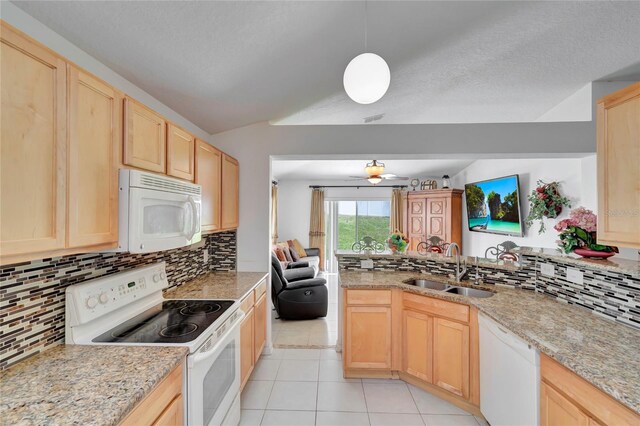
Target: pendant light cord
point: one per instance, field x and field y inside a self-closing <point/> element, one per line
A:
<point x="365" y="25"/>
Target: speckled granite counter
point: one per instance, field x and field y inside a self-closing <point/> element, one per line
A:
<point x="87" y="385"/>
<point x="601" y="351"/>
<point x="217" y="285"/>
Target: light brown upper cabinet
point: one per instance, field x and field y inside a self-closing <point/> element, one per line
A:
<point x="33" y="147"/>
<point x="180" y="153"/>
<point x="95" y="136"/>
<point x="230" y="194"/>
<point x="618" y="127"/>
<point x="209" y="176"/>
<point x="145" y="137"/>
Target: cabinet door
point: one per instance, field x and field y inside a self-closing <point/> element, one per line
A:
<point x="32" y="144"/>
<point x="618" y="134"/>
<point x="246" y="346"/>
<point x="173" y="414"/>
<point x="368" y="337"/>
<point x="145" y="137"/>
<point x="417" y="336"/>
<point x="260" y="326"/>
<point x="180" y="153"/>
<point x="230" y="194"/>
<point x="451" y="356"/>
<point x="94" y="139"/>
<point x="416" y="225"/>
<point x="437" y="212"/>
<point x="209" y="176"/>
<point x="556" y="410"/>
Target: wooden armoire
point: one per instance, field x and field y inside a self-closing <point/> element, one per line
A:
<point x="434" y="212"/>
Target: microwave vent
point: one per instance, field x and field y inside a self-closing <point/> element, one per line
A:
<point x="158" y="182"/>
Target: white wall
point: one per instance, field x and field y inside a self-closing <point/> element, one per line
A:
<point x="567" y="171"/>
<point x="43" y="34"/>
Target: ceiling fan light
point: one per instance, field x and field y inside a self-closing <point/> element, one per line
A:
<point x="366" y="78"/>
<point x="374" y="180"/>
<point x="375" y="170"/>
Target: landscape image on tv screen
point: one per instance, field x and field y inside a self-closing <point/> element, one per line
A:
<point x="494" y="206"/>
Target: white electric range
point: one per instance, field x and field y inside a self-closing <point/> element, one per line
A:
<point x="128" y="308"/>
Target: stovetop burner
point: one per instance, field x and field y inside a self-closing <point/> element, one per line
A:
<point x="172" y="321"/>
<point x="177" y="330"/>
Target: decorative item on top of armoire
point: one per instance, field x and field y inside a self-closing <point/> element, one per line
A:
<point x="545" y="201"/>
<point x="414" y="183"/>
<point x="578" y="235"/>
<point x="432" y="245"/>
<point x="428" y="184"/>
<point x="446" y="182"/>
<point x="397" y="242"/>
<point x="434" y="213"/>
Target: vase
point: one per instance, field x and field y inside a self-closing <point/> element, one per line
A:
<point x="593" y="253"/>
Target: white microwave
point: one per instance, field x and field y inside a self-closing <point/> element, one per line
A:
<point x="157" y="212"/>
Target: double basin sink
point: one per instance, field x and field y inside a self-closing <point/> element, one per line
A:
<point x="463" y="291"/>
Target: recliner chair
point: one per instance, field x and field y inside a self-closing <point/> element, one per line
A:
<point x="296" y="295"/>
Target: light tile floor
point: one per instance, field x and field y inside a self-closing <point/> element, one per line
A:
<point x="305" y="387"/>
<point x="316" y="333"/>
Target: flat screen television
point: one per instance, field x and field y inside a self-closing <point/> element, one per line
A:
<point x="493" y="206"/>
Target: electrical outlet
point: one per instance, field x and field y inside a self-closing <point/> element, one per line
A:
<point x="574" y="276"/>
<point x="366" y="264"/>
<point x="547" y="269"/>
<point x="205" y="256"/>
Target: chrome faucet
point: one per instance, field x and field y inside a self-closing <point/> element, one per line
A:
<point x="460" y="274"/>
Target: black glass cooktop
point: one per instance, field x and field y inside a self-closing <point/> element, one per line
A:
<point x="173" y="321"/>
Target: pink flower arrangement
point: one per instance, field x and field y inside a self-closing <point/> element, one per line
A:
<point x="581" y="218"/>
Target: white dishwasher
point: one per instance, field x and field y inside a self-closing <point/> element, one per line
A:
<point x="509" y="377"/>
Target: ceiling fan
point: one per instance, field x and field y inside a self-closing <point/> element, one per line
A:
<point x="375" y="173"/>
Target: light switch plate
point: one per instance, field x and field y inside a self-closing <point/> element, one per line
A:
<point x="366" y="264"/>
<point x="547" y="269"/>
<point x="574" y="276"/>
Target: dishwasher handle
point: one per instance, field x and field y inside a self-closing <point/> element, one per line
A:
<point x="518" y="345"/>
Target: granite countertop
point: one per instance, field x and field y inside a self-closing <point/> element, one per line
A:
<point x="615" y="263"/>
<point x="601" y="351"/>
<point x="217" y="285"/>
<point x="78" y="384"/>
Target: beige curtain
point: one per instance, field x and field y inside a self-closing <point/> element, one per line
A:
<point x="316" y="223"/>
<point x="397" y="211"/>
<point x="274" y="213"/>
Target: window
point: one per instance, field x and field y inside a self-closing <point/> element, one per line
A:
<point x="358" y="219"/>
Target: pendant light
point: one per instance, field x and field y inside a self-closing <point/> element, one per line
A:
<point x="367" y="77"/>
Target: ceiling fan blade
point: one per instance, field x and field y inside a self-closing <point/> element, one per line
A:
<point x="397" y="178"/>
<point x="359" y="177"/>
<point x="387" y="175"/>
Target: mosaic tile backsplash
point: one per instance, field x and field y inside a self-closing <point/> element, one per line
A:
<point x="32" y="294"/>
<point x="611" y="294"/>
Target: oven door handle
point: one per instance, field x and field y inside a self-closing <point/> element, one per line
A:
<point x="203" y="355"/>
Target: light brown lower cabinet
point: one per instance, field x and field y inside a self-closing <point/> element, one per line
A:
<point x="568" y="400"/>
<point x="436" y="349"/>
<point x="253" y="330"/>
<point x="163" y="406"/>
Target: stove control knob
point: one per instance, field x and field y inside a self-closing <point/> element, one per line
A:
<point x="156" y="278"/>
<point x="92" y="302"/>
<point x="163" y="275"/>
<point x="104" y="297"/>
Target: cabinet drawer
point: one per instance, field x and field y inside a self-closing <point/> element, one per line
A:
<point x="368" y="297"/>
<point x="247" y="302"/>
<point x="260" y="290"/>
<point x="437" y="307"/>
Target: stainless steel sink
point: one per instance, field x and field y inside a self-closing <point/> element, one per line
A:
<point x="434" y="285"/>
<point x="469" y="292"/>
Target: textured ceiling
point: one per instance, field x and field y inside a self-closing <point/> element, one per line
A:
<point x="341" y="170"/>
<point x="227" y="64"/>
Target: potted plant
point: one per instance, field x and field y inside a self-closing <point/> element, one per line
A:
<point x="397" y="242"/>
<point x="578" y="235"/>
<point x="545" y="201"/>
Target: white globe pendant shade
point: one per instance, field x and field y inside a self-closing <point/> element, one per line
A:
<point x="366" y="78"/>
